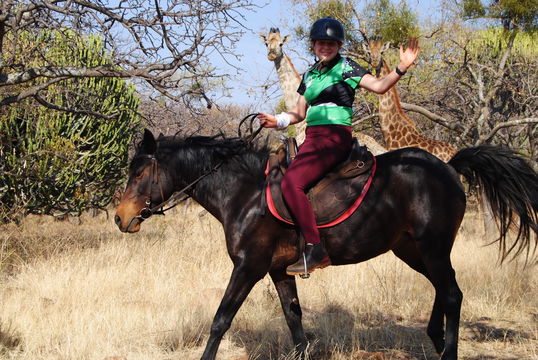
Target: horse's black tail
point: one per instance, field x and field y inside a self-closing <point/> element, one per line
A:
<point x="510" y="185"/>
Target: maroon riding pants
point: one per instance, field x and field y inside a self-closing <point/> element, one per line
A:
<point x="324" y="147"/>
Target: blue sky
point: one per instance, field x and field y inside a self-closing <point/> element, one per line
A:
<point x="258" y="70"/>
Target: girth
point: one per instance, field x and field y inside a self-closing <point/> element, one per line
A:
<point x="335" y="197"/>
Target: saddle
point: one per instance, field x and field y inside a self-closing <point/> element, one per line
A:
<point x="335" y="197"/>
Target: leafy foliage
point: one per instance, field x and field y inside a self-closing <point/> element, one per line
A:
<point x="340" y="10"/>
<point x="492" y="42"/>
<point x="512" y="13"/>
<point x="393" y="23"/>
<point x="69" y="159"/>
<point x="473" y="9"/>
<point x="379" y="18"/>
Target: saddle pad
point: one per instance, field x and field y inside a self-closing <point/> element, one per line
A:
<point x="334" y="198"/>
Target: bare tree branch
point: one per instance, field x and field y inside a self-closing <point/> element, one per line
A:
<point x="152" y="41"/>
<point x="365" y="118"/>
<point x="434" y="117"/>
<point x="32" y="91"/>
<point x="499" y="126"/>
<point x="50" y="105"/>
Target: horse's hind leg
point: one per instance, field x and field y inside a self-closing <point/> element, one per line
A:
<point x="287" y="292"/>
<point x="407" y="251"/>
<point x="242" y="280"/>
<point x="436" y="325"/>
<point x="448" y="296"/>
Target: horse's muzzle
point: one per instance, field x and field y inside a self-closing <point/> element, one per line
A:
<point x="130" y="227"/>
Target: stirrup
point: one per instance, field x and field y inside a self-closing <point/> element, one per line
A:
<point x="306" y="275"/>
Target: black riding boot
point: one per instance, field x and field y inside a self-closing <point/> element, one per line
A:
<point x="314" y="257"/>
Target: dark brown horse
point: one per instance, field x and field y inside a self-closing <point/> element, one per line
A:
<point x="414" y="207"/>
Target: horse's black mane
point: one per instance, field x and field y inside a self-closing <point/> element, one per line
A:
<point x="200" y="153"/>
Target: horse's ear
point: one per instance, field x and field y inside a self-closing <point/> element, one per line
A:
<point x="148" y="144"/>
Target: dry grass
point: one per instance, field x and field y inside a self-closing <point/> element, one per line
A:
<point x="89" y="292"/>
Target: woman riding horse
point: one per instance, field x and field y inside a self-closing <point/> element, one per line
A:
<point x="327" y="91"/>
<point x="414" y="208"/>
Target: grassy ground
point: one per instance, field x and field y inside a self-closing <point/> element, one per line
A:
<point x="86" y="291"/>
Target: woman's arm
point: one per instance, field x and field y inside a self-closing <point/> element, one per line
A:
<point x="382" y="85"/>
<point x="296" y="115"/>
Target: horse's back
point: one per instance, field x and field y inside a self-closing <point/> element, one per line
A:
<point x="413" y="196"/>
<point x="427" y="188"/>
<point x="416" y="160"/>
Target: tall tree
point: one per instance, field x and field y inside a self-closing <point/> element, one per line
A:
<point x="392" y="22"/>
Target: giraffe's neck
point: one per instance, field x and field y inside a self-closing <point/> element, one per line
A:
<point x="395" y="125"/>
<point x="289" y="80"/>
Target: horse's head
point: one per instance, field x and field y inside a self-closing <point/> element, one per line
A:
<point x="149" y="184"/>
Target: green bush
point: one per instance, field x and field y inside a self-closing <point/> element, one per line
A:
<point x="65" y="162"/>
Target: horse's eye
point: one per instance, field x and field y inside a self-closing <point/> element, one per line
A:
<point x="138" y="173"/>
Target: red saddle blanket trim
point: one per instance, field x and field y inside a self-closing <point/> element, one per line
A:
<point x="344" y="216"/>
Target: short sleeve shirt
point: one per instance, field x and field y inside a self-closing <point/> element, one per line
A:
<point x="330" y="92"/>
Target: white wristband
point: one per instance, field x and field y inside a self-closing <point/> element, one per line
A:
<point x="282" y="120"/>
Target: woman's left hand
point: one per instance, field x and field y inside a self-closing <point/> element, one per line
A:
<point x="409" y="55"/>
<point x="267" y="120"/>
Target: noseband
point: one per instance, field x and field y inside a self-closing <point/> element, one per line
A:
<point x="148" y="211"/>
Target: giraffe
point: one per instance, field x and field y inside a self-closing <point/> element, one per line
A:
<point x="397" y="128"/>
<point x="290" y="79"/>
<point x="287" y="75"/>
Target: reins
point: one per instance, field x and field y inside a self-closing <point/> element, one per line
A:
<point x="253" y="134"/>
<point x="147" y="212"/>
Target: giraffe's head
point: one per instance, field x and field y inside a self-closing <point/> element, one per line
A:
<point x="374" y="49"/>
<point x="273" y="41"/>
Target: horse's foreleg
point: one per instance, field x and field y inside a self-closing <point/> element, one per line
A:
<point x="241" y="282"/>
<point x="287" y="292"/>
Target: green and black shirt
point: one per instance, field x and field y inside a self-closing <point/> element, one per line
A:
<point x="331" y="91"/>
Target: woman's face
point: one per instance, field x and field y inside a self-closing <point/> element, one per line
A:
<point x="326" y="50"/>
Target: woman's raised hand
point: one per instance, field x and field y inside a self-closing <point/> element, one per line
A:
<point x="409" y="55"/>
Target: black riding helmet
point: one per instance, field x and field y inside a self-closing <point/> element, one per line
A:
<point x="327" y="28"/>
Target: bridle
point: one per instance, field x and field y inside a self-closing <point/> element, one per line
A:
<point x="148" y="211"/>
